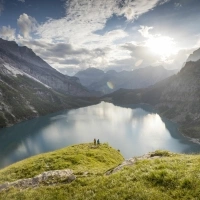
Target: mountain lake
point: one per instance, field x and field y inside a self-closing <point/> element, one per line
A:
<point x="134" y="130"/>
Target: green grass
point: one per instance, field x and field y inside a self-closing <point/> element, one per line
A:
<point x="80" y="158"/>
<point x="173" y="176"/>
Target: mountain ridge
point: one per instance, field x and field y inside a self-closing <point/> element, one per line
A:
<point x="110" y="81"/>
<point x="195" y="56"/>
<point x="177" y="98"/>
<point x="27" y="61"/>
<point x="29" y="87"/>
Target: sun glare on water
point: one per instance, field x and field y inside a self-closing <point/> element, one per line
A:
<point x="162" y="45"/>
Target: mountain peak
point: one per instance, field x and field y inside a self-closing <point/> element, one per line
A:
<point x="27" y="62"/>
<point x="93" y="70"/>
<point x="112" y="71"/>
<point x="89" y="75"/>
<point x="22" y="52"/>
<point x="194" y="56"/>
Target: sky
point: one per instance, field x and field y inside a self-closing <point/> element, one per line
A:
<point x="72" y="35"/>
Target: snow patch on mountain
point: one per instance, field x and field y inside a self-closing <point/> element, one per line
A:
<point x="36" y="80"/>
<point x="14" y="72"/>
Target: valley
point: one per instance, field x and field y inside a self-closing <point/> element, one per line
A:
<point x="176" y="98"/>
<point x="99" y="100"/>
<point x="140" y="127"/>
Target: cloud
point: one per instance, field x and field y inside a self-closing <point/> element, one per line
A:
<point x="70" y="62"/>
<point x="73" y="40"/>
<point x="70" y="70"/>
<point x="23" y="1"/>
<point x="59" y="50"/>
<point x="65" y="55"/>
<point x="7" y="33"/>
<point x="104" y="9"/>
<point x="84" y="17"/>
<point x="27" y="25"/>
<point x="122" y="64"/>
<point x="177" y="5"/>
<point x="164" y="46"/>
<point x="141" y="55"/>
<point x="133" y="9"/>
<point x="62" y="49"/>
<point x="144" y="30"/>
<point x="163" y="2"/>
<point x="178" y="60"/>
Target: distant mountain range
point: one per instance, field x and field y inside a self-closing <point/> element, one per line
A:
<point x="95" y="79"/>
<point x="177" y="98"/>
<point x="30" y="87"/>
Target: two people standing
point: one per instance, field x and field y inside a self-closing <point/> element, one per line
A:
<point x="96" y="142"/>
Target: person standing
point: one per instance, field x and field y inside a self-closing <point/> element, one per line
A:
<point x="94" y="141"/>
<point x="98" y="142"/>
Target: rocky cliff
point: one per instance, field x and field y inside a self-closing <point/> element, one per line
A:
<point x="177" y="98"/>
<point x="29" y="87"/>
<point x="25" y="60"/>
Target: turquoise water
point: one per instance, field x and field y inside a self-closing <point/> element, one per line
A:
<point x="134" y="131"/>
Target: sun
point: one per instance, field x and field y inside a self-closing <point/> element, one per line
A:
<point x="161" y="45"/>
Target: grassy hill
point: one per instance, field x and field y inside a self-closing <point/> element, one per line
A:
<point x="165" y="176"/>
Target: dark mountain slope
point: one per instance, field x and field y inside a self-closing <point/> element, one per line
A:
<point x="27" y="61"/>
<point x="177" y="98"/>
<point x="23" y="98"/>
<point x="194" y="56"/>
<point x="29" y="87"/>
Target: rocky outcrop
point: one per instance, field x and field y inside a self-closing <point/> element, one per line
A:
<point x="46" y="178"/>
<point x="132" y="161"/>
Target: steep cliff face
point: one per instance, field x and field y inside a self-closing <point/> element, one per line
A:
<point x="22" y="97"/>
<point x="178" y="94"/>
<point x="177" y="98"/>
<point x="29" y="87"/>
<point x="194" y="56"/>
<point x="181" y="95"/>
<point x="25" y="60"/>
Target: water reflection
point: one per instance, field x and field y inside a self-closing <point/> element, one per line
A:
<point x="135" y="131"/>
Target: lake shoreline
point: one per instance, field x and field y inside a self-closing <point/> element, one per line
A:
<point x="35" y="117"/>
<point x="135" y="131"/>
<point x="194" y="140"/>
